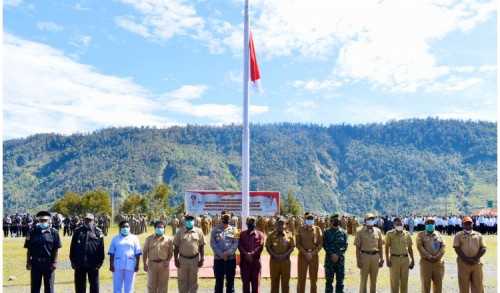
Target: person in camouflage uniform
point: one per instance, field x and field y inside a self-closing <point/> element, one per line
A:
<point x="335" y="244"/>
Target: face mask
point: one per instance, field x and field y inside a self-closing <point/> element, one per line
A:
<point x="309" y="222"/>
<point x="189" y="224"/>
<point x="399" y="228"/>
<point x="225" y="220"/>
<point x="43" y="225"/>
<point x="160" y="231"/>
<point x="336" y="222"/>
<point x="251" y="226"/>
<point x="370" y="222"/>
<point x="125" y="231"/>
<point x="88" y="226"/>
<point x="429" y="227"/>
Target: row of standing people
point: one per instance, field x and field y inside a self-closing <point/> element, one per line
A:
<point x="187" y="248"/>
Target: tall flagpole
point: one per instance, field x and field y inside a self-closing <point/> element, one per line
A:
<point x="245" y="166"/>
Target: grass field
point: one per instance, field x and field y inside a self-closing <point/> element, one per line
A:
<point x="14" y="260"/>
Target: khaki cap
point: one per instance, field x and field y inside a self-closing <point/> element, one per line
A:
<point x="430" y="219"/>
<point x="368" y="216"/>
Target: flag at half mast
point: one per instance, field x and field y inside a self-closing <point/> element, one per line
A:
<point x="254" y="67"/>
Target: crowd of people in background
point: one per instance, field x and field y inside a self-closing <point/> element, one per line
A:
<point x="18" y="225"/>
<point x="279" y="235"/>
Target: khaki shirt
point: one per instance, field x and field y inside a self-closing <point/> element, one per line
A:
<point x="398" y="242"/>
<point x="280" y="242"/>
<point x="189" y="241"/>
<point x="309" y="239"/>
<point x="369" y="241"/>
<point x="158" y="247"/>
<point x="431" y="244"/>
<point x="469" y="244"/>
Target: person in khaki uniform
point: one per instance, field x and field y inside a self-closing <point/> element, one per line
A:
<point x="189" y="251"/>
<point x="279" y="245"/>
<point x="354" y="225"/>
<point x="398" y="246"/>
<point x="157" y="252"/>
<point x="432" y="247"/>
<point x="349" y="225"/>
<point x="309" y="241"/>
<point x="174" y="224"/>
<point x="469" y="247"/>
<point x="205" y="225"/>
<point x="369" y="254"/>
<point x="271" y="225"/>
<point x="343" y="223"/>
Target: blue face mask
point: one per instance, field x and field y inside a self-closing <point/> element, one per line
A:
<point x="43" y="225"/>
<point x="429" y="227"/>
<point x="160" y="231"/>
<point x="125" y="231"/>
<point x="309" y="222"/>
<point x="189" y="224"/>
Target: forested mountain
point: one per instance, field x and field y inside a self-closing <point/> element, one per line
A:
<point x="400" y="166"/>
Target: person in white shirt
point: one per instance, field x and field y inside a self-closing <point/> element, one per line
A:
<point x="125" y="254"/>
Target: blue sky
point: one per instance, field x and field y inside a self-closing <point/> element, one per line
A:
<point x="78" y="66"/>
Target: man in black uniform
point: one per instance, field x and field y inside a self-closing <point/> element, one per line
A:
<point x="42" y="243"/>
<point x="87" y="255"/>
<point x="66" y="222"/>
<point x="56" y="222"/>
<point x="75" y="221"/>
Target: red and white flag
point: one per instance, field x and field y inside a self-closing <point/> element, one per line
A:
<point x="254" y="67"/>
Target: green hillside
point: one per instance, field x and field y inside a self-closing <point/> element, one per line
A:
<point x="403" y="166"/>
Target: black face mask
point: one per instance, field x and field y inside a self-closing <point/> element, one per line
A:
<point x="251" y="226"/>
<point x="335" y="222"/>
<point x="225" y="220"/>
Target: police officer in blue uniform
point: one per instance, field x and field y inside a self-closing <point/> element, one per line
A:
<point x="224" y="242"/>
<point x="86" y="254"/>
<point x="42" y="243"/>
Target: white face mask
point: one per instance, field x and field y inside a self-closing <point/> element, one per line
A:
<point x="399" y="228"/>
<point x="370" y="222"/>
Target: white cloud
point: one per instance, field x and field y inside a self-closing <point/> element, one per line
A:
<point x="488" y="68"/>
<point x="179" y="101"/>
<point x="12" y="2"/>
<point x="464" y="69"/>
<point x="386" y="43"/>
<point x="315" y="85"/>
<point x="163" y="19"/>
<point x="452" y="84"/>
<point x="49" y="26"/>
<point x="302" y="109"/>
<point x="45" y="91"/>
<point x="128" y="23"/>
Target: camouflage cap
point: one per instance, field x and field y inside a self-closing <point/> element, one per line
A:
<point x="334" y="215"/>
<point x="280" y="219"/>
